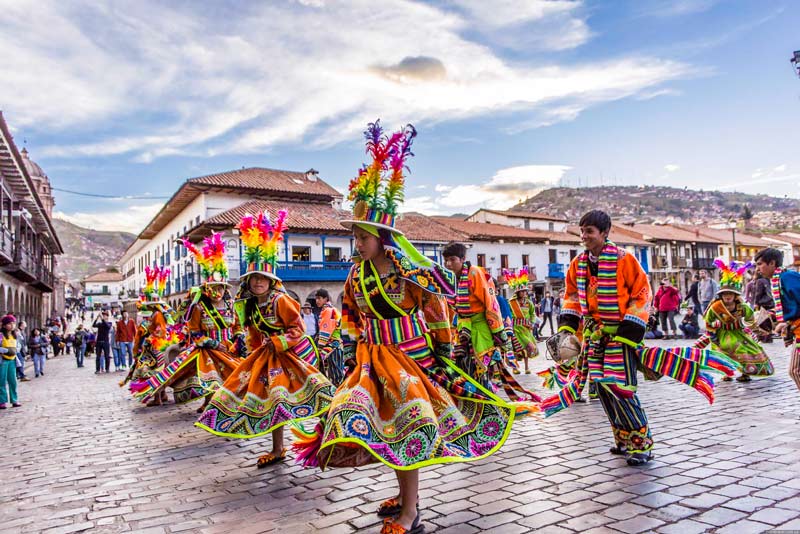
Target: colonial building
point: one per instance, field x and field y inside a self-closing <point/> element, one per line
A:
<point x="677" y="253"/>
<point x="28" y="241"/>
<point x="732" y="244"/>
<point x="103" y="290"/>
<point x="200" y="199"/>
<point x="520" y="219"/>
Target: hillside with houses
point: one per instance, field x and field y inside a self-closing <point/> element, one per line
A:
<point x="668" y="205"/>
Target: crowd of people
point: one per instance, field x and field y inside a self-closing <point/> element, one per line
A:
<point x="418" y="367"/>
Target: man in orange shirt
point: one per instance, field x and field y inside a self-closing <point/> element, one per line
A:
<point x="607" y="297"/>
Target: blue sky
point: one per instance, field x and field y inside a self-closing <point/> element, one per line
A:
<point x="508" y="96"/>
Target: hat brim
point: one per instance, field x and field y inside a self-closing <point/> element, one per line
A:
<point x="728" y="290"/>
<point x="262" y="273"/>
<point x="350" y="223"/>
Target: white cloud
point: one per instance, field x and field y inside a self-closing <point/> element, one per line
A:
<point x="780" y="168"/>
<point x="245" y="78"/>
<point x="505" y="189"/>
<point x="671" y="167"/>
<point x="127" y="219"/>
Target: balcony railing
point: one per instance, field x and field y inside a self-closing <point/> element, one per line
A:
<point x="556" y="270"/>
<point x="6" y="246"/>
<point x="703" y="263"/>
<point x="310" y="271"/>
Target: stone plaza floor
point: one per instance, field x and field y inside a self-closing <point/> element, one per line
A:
<point x="81" y="455"/>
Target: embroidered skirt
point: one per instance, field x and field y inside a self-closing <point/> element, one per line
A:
<point x="195" y="373"/>
<point x="742" y="348"/>
<point x="406" y="408"/>
<point x="267" y="390"/>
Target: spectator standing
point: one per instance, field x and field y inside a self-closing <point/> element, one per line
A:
<point x="38" y="349"/>
<point x="707" y="290"/>
<point x="311" y="321"/>
<point x="689" y="326"/>
<point x="693" y="296"/>
<point x="667" y="301"/>
<point x="8" y="351"/>
<point x="21" y="352"/>
<point x="55" y="341"/>
<point x="548" y="307"/>
<point x="79" y="342"/>
<point x="112" y="340"/>
<point x="126" y="331"/>
<point x="68" y="343"/>
<point x="750" y="289"/>
<point x="103" y="326"/>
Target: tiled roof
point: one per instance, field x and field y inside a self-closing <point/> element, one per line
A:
<point x="254" y="181"/>
<point x="263" y="179"/>
<point x="309" y="217"/>
<point x="489" y="231"/>
<point x="616" y="236"/>
<point x="418" y="227"/>
<point x="787" y="238"/>
<point x="104" y="276"/>
<point x="302" y="216"/>
<point x="522" y="214"/>
<point x="725" y="236"/>
<point x="667" y="232"/>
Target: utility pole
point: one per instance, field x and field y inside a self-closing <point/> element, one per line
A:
<point x="734" y="243"/>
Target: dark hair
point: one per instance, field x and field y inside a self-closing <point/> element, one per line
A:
<point x="597" y="218"/>
<point x="769" y="254"/>
<point x="455" y="249"/>
<point x="322" y="292"/>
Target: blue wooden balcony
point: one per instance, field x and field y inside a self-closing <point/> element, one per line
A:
<point x="556" y="270"/>
<point x="310" y="271"/>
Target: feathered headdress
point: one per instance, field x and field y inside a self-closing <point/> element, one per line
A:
<point x="155" y="284"/>
<point x="261" y="238"/>
<point x="211" y="259"/>
<point x="377" y="191"/>
<point x="517" y="281"/>
<point x="731" y="275"/>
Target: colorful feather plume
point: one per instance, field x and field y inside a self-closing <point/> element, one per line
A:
<point x="211" y="259"/>
<point x="261" y="238"/>
<point x="517" y="281"/>
<point x="731" y="275"/>
<point x="380" y="184"/>
<point x="155" y="283"/>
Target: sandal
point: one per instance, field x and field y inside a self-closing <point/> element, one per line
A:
<point x="639" y="458"/>
<point x="618" y="451"/>
<point x="15" y="405"/>
<point x="389" y="507"/>
<point x="269" y="459"/>
<point x="391" y="527"/>
<point x="744" y="378"/>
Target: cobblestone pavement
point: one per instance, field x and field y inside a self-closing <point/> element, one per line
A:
<point x="81" y="455"/>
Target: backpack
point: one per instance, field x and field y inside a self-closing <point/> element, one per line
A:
<point x="78" y="340"/>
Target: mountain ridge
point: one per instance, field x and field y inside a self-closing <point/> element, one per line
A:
<point x="668" y="205"/>
<point x="88" y="251"/>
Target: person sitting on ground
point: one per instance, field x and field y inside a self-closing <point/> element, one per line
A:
<point x="689" y="325"/>
<point x="652" y="331"/>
